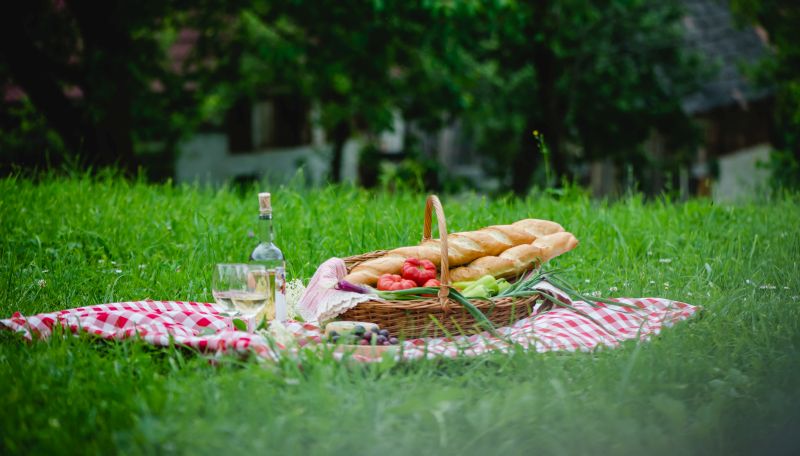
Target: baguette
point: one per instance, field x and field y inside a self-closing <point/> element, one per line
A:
<point x="516" y="260"/>
<point x="463" y="248"/>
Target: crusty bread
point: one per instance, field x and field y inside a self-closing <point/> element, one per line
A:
<point x="463" y="248"/>
<point x="516" y="260"/>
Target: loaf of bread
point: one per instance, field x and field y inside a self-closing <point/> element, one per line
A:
<point x="463" y="248"/>
<point x="516" y="260"/>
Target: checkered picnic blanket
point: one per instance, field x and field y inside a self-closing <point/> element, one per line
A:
<point x="579" y="327"/>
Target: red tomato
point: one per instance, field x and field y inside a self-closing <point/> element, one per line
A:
<point x="393" y="282"/>
<point x="420" y="271"/>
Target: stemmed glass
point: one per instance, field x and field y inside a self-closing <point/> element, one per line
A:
<point x="241" y="288"/>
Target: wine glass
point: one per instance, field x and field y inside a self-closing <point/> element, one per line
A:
<point x="241" y="288"/>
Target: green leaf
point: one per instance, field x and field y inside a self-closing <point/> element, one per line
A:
<point x="341" y="83"/>
<point x="239" y="324"/>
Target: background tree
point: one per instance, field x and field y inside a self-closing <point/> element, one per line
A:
<point x="598" y="74"/>
<point x="104" y="54"/>
<point x="356" y="63"/>
<point x="780" y="19"/>
<point x="359" y="63"/>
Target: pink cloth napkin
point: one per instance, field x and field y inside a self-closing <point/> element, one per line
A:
<point x="322" y="301"/>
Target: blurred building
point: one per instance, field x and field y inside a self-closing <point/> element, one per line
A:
<point x="268" y="138"/>
<point x="735" y="115"/>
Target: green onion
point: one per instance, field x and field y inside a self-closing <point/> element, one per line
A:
<point x="408" y="293"/>
<point x="474" y="311"/>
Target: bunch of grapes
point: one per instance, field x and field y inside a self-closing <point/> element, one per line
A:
<point x="360" y="336"/>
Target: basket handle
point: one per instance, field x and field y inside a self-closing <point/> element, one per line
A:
<point x="433" y="203"/>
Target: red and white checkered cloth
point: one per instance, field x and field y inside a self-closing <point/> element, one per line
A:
<point x="200" y="326"/>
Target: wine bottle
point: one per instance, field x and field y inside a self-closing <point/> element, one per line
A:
<point x="268" y="254"/>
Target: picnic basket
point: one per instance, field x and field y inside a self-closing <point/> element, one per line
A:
<point x="439" y="315"/>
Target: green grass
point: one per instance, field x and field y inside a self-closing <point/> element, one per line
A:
<point x="723" y="383"/>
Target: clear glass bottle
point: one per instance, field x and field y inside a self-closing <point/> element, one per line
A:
<point x="268" y="254"/>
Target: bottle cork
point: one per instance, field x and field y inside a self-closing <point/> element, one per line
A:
<point x="264" y="204"/>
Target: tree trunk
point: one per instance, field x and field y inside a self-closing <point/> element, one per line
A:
<point x="108" y="52"/>
<point x="112" y="130"/>
<point x="553" y="122"/>
<point x="526" y="160"/>
<point x="548" y="121"/>
<point x="339" y="136"/>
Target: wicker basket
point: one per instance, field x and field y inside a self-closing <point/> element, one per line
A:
<point x="426" y="317"/>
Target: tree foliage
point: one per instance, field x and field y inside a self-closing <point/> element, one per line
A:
<point x="599" y="75"/>
<point x="780" y="71"/>
<point x="595" y="74"/>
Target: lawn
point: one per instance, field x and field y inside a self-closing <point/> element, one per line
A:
<point x="725" y="382"/>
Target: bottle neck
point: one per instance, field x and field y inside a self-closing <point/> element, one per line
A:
<point x="265" y="226"/>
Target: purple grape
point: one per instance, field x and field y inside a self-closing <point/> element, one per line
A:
<point x="393" y="340"/>
<point x="381" y="339"/>
<point x="386" y="342"/>
<point x="384" y="332"/>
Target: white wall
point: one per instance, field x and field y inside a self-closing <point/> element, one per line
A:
<point x="205" y="159"/>
<point x="739" y="175"/>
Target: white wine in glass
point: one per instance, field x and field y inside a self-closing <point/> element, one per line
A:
<point x="241" y="289"/>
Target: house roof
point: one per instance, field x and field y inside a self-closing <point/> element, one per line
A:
<point x="712" y="32"/>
